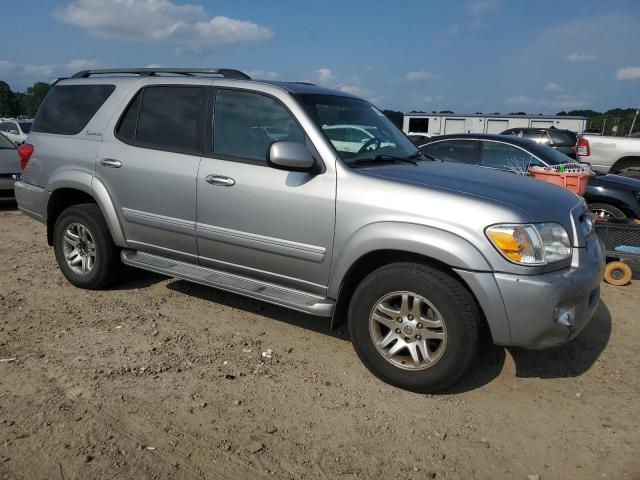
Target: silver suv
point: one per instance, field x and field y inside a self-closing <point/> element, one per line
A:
<point x="209" y="176"/>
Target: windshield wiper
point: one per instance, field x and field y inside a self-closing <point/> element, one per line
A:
<point x="422" y="154"/>
<point x="385" y="158"/>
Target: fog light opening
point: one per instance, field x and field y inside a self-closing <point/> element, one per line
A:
<point x="566" y="318"/>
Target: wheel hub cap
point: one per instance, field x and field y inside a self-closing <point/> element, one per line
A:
<point x="407" y="330"/>
<point x="79" y="249"/>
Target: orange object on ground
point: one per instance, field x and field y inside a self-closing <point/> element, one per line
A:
<point x="577" y="182"/>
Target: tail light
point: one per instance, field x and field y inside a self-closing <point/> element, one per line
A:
<point x="25" y="151"/>
<point x="582" y="149"/>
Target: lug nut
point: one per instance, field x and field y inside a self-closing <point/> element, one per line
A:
<point x="418" y="337"/>
<point x="398" y="331"/>
<point x="410" y="317"/>
<point x="419" y="325"/>
<point x="399" y="319"/>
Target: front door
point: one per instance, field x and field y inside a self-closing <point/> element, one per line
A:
<point x="149" y="166"/>
<point x="255" y="220"/>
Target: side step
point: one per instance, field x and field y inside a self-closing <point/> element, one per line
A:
<point x="285" y="297"/>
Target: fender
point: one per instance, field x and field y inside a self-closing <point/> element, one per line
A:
<point x="84" y="181"/>
<point x="450" y="249"/>
<point x="435" y="243"/>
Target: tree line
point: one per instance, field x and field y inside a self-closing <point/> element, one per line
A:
<point x="15" y="104"/>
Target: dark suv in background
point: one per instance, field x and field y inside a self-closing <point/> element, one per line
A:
<point x="563" y="141"/>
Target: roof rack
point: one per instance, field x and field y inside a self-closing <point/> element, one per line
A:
<point x="146" y="72"/>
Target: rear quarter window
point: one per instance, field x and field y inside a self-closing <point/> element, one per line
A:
<point x="563" y="139"/>
<point x="67" y="109"/>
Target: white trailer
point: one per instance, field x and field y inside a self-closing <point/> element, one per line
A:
<point x="445" y="123"/>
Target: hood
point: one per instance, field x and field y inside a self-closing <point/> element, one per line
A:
<point x="537" y="200"/>
<point x="618" y="180"/>
<point x="9" y="161"/>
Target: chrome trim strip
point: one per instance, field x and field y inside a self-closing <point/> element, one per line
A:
<point x="162" y="222"/>
<point x="263" y="243"/>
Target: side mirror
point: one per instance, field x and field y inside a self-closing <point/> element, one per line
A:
<point x="290" y="156"/>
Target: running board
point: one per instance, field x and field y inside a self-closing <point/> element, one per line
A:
<point x="268" y="292"/>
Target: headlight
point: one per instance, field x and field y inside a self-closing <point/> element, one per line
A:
<point x="531" y="244"/>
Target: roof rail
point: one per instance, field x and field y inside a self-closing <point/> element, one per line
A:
<point x="146" y="72"/>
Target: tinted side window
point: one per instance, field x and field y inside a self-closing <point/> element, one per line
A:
<point x="129" y="122"/>
<point x="563" y="139"/>
<point x="506" y="157"/>
<point x="538" y="137"/>
<point x="458" y="151"/>
<point x="172" y="117"/>
<point x="244" y="122"/>
<point x="67" y="109"/>
<point x="4" y="126"/>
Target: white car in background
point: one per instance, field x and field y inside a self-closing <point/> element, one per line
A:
<point x="352" y="138"/>
<point x="16" y="130"/>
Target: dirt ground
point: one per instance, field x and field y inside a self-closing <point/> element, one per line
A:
<point x="159" y="378"/>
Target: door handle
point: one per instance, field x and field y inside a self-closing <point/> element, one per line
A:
<point x="220" y="180"/>
<point x="111" y="163"/>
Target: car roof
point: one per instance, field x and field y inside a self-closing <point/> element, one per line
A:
<point x="538" y="129"/>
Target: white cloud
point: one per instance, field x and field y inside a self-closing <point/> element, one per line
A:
<point x="81" y="64"/>
<point x="355" y="89"/>
<point x="581" y="57"/>
<point x="552" y="87"/>
<point x="324" y="75"/>
<point x="480" y="7"/>
<point x="628" y="73"/>
<point x="263" y="75"/>
<point x="26" y="70"/>
<point x="560" y="102"/>
<point x="418" y="76"/>
<point x="185" y="27"/>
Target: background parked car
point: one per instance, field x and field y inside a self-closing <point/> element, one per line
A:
<point x="563" y="141"/>
<point x="419" y="138"/>
<point x="9" y="166"/>
<point x="619" y="155"/>
<point x="16" y="130"/>
<point x="608" y="196"/>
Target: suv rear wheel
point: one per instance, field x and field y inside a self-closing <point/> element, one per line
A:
<point x="414" y="326"/>
<point x="84" y="249"/>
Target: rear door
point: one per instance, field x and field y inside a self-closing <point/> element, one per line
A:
<point x="255" y="220"/>
<point x="149" y="167"/>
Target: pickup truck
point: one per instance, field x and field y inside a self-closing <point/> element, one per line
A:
<point x="619" y="155"/>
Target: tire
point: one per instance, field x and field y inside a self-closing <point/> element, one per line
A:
<point x="442" y="297"/>
<point x="106" y="263"/>
<point x="604" y="210"/>
<point x="617" y="273"/>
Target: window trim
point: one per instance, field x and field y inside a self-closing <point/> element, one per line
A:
<point x="210" y="128"/>
<point x="153" y="146"/>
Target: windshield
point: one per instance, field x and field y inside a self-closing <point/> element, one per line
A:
<point x="357" y="130"/>
<point x="25" y="126"/>
<point x="5" y="143"/>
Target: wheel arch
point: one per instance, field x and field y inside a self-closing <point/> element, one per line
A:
<point x="67" y="194"/>
<point x="625" y="162"/>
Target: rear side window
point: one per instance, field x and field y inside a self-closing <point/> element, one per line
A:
<point x="129" y="122"/>
<point x="172" y="117"/>
<point x="67" y="109"/>
<point x="246" y="124"/>
<point x="458" y="151"/>
<point x="563" y="139"/>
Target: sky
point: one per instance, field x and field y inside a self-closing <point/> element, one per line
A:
<point x="539" y="56"/>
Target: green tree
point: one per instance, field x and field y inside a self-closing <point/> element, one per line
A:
<point x="395" y="117"/>
<point x="9" y="106"/>
<point x="31" y="100"/>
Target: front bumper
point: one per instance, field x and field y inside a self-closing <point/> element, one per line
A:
<point x="552" y="308"/>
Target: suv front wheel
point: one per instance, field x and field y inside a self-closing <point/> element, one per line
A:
<point x="84" y="249"/>
<point x="414" y="326"/>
